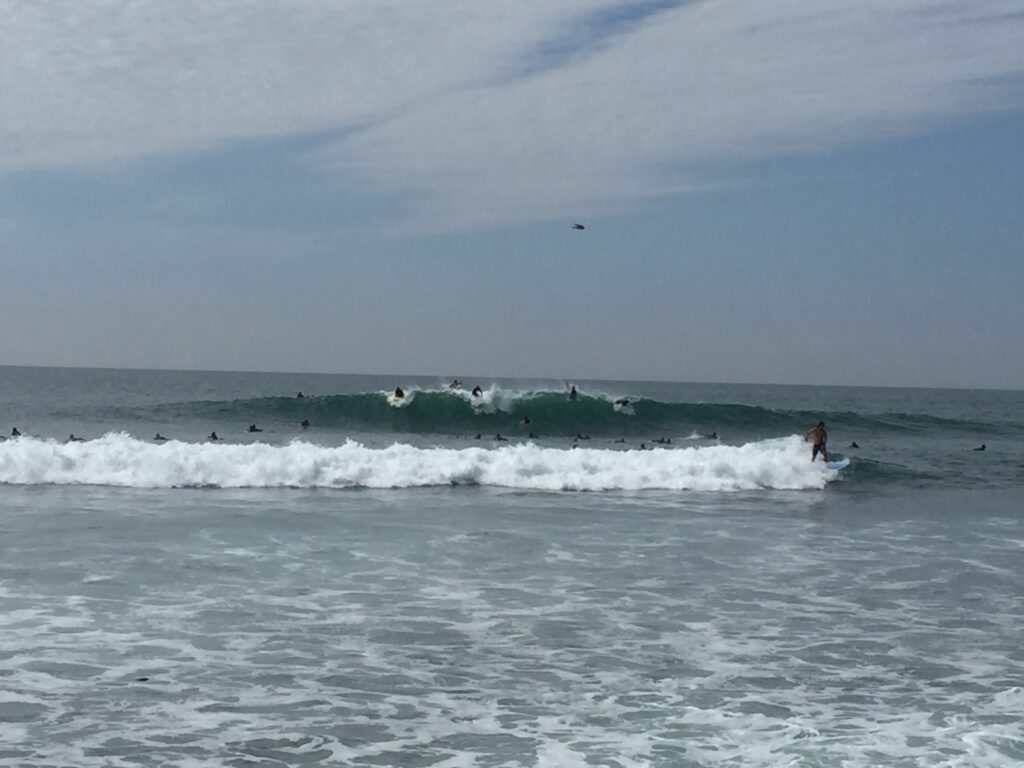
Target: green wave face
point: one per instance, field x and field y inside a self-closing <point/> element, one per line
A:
<point x="554" y="414"/>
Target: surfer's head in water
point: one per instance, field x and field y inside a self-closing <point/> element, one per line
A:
<point x="305" y="423"/>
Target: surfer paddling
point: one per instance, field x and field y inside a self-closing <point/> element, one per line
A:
<point x="818" y="437"/>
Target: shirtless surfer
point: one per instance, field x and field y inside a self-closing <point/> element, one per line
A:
<point x="818" y="437"/>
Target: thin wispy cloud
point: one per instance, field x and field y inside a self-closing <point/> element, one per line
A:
<point x="586" y="34"/>
<point x="482" y="115"/>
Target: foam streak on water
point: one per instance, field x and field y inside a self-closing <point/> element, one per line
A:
<point x="210" y="628"/>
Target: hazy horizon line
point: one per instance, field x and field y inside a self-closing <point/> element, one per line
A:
<point x="567" y="381"/>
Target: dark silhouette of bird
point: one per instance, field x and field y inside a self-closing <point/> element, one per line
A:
<point x="578" y="226"/>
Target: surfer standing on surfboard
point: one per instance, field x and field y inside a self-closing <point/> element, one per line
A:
<point x="818" y="437"/>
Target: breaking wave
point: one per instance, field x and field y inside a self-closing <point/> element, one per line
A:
<point x="549" y="413"/>
<point x="121" y="460"/>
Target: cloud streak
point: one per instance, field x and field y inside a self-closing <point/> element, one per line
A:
<point x="490" y="115"/>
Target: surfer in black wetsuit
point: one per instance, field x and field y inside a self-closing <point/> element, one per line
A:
<point x="477" y="392"/>
<point x="980" y="447"/>
<point x="305" y="423"/>
<point x="818" y="437"/>
<point x="213" y="436"/>
<point x="73" y="439"/>
<point x="254" y="428"/>
<point x="159" y="438"/>
<point x="15" y="432"/>
<point x="572" y="392"/>
<point x="399" y="394"/>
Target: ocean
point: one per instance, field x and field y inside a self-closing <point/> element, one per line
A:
<point x="650" y="574"/>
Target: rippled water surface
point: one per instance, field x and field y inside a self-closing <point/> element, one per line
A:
<point x="481" y="627"/>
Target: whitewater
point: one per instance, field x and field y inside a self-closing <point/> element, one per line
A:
<point x="124" y="461"/>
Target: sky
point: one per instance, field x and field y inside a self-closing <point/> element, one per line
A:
<point x="777" y="191"/>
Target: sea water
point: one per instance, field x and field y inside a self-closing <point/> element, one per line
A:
<point x="384" y="587"/>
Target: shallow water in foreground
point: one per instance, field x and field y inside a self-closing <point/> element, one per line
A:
<point x="488" y="627"/>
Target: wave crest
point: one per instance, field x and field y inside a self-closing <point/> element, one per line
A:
<point x="121" y="460"/>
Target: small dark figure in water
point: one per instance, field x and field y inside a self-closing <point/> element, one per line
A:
<point x="399" y="394"/>
<point x="501" y="439"/>
<point x="980" y="447"/>
<point x="663" y="441"/>
<point x="477" y="437"/>
<point x="712" y="436"/>
<point x="477" y="391"/>
<point x="526" y="420"/>
<point x="578" y="226"/>
<point x="254" y="428"/>
<point x="623" y="401"/>
<point x="532" y="436"/>
<point x="15" y="432"/>
<point x="572" y="392"/>
<point x="582" y="437"/>
<point x="213" y="436"/>
<point x="621" y="440"/>
<point x="73" y="439"/>
<point x="854" y="444"/>
<point x="643" y="446"/>
<point x="299" y="396"/>
<point x="456" y="384"/>
<point x="305" y="423"/>
<point x="159" y="438"/>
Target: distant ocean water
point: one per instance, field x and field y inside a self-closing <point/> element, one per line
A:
<point x="393" y="585"/>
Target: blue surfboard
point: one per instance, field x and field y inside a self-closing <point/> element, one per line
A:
<point x="841" y="464"/>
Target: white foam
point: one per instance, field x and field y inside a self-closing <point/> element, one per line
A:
<point x="400" y="402"/>
<point x="120" y="460"/>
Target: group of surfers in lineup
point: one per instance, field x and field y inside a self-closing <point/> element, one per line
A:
<point x="816" y="435"/>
